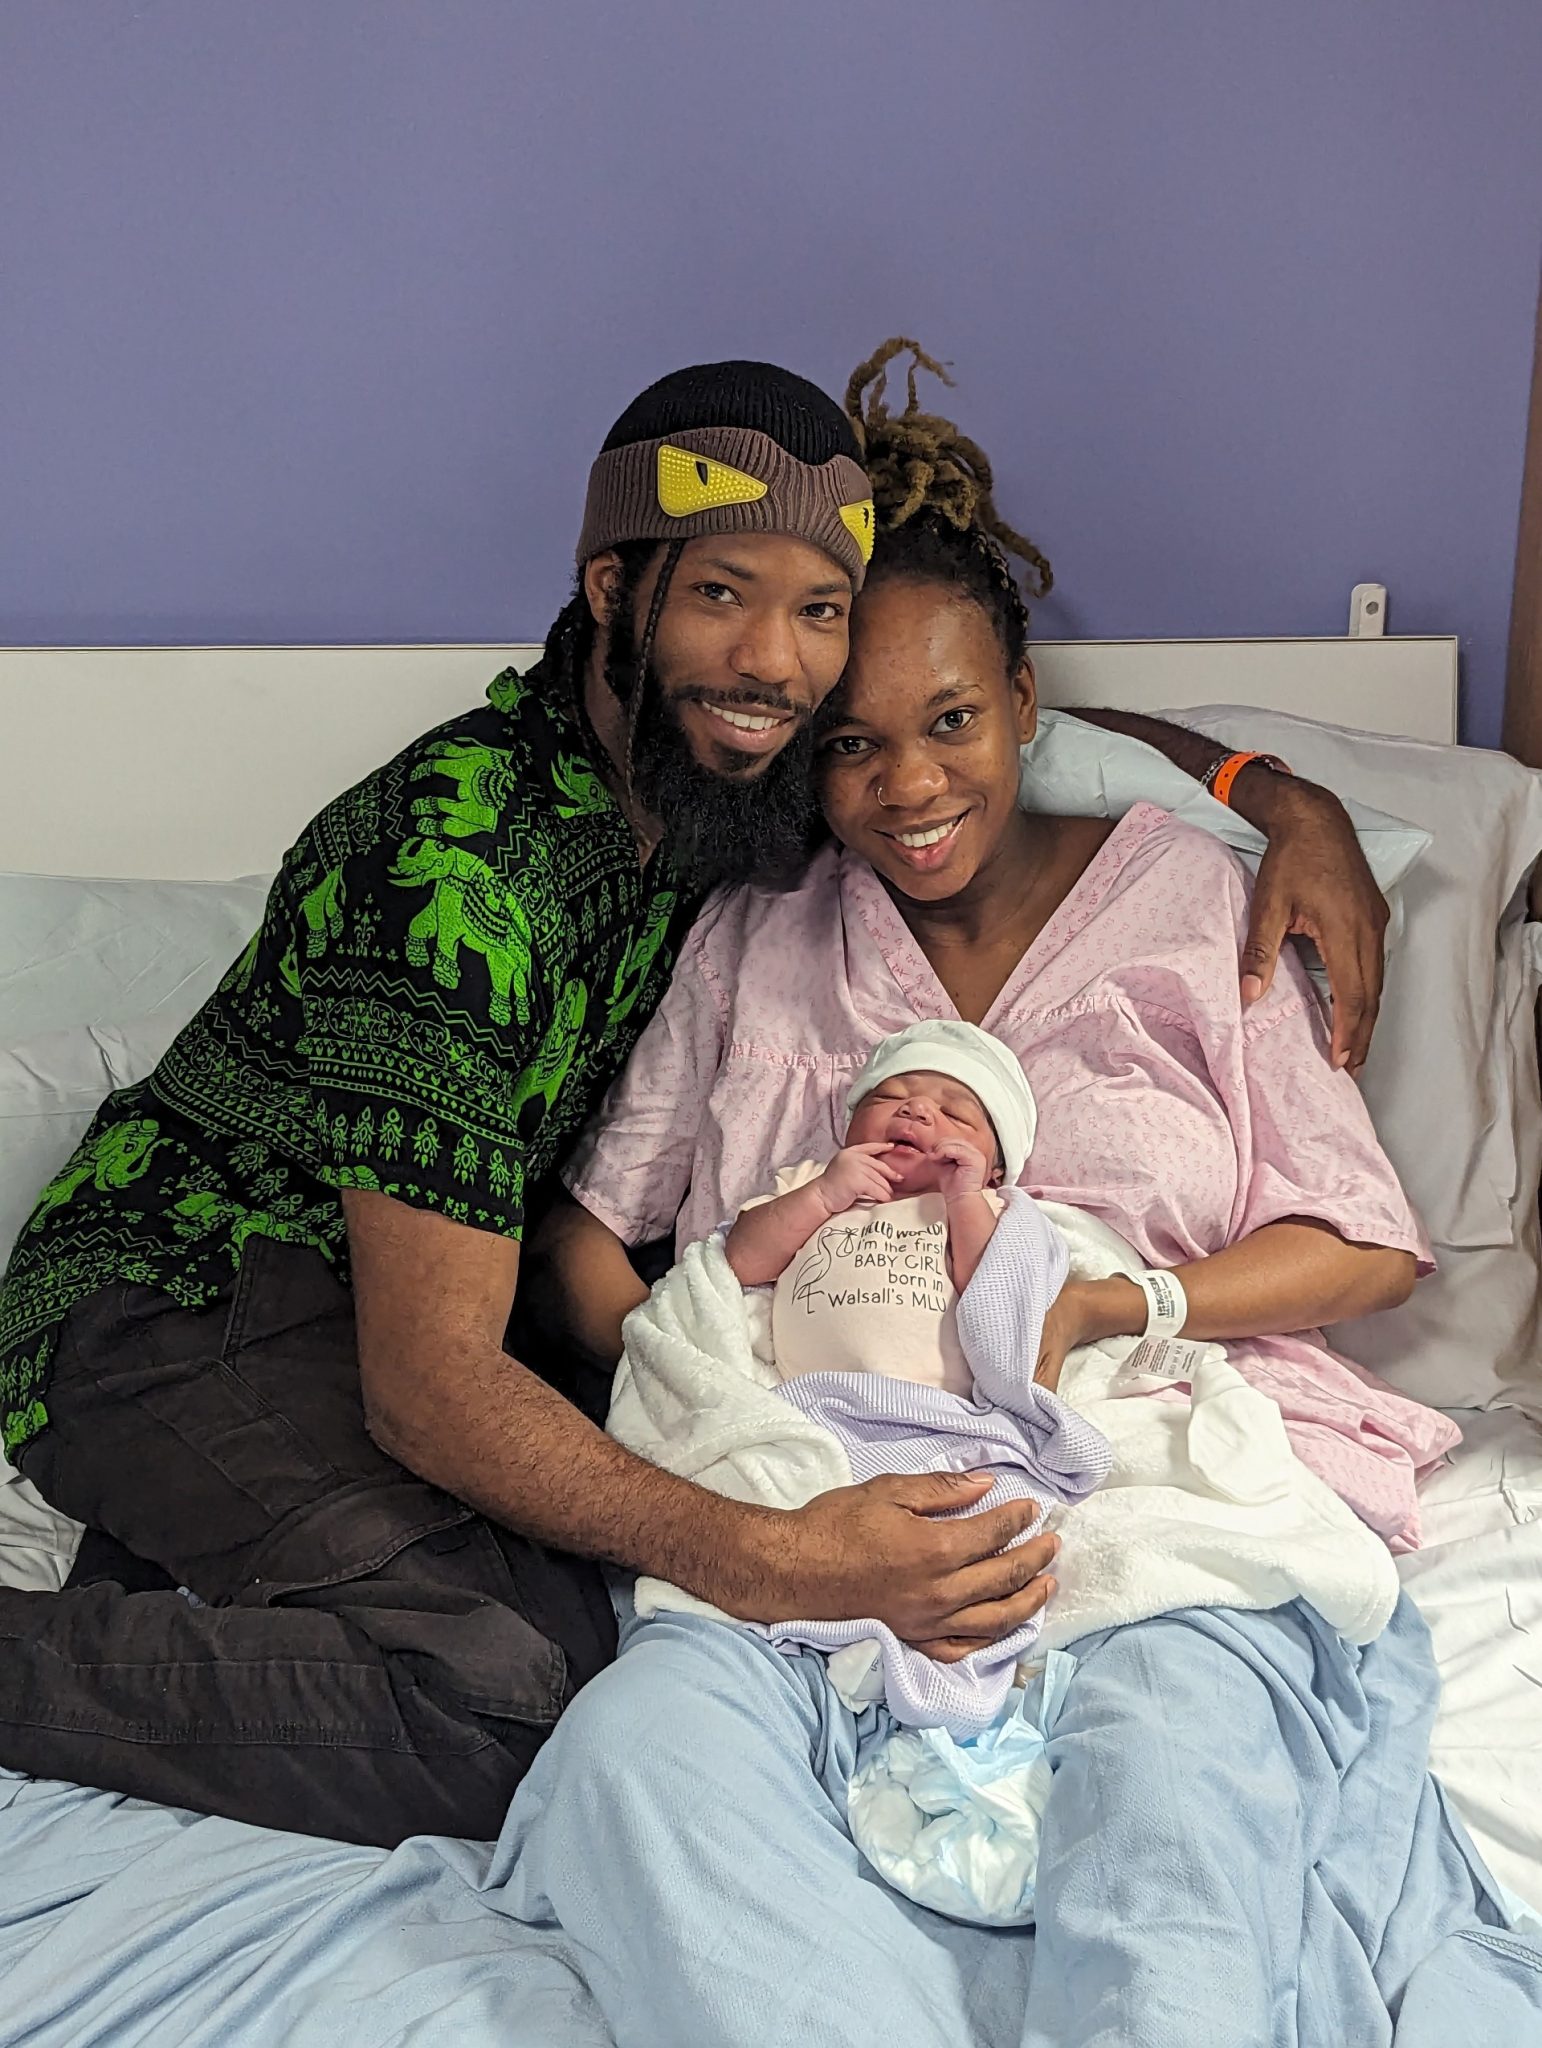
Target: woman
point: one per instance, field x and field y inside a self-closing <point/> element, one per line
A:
<point x="1241" y="1845"/>
<point x="1105" y="956"/>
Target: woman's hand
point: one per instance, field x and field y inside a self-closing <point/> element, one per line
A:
<point x="1083" y="1312"/>
<point x="858" y="1173"/>
<point x="1060" y="1336"/>
<point x="1314" y="881"/>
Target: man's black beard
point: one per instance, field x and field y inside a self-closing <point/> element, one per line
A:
<point x="718" y="830"/>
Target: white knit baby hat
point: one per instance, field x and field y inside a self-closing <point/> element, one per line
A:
<point x="964" y="1053"/>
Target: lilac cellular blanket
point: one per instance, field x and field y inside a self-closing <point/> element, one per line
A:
<point x="1030" y="1441"/>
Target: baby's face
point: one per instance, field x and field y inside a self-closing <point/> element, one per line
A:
<point x="915" y="1113"/>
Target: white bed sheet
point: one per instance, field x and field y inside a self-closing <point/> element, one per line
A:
<point x="1478" y="1583"/>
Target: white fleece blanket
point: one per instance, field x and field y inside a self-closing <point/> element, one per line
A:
<point x="1206" y="1505"/>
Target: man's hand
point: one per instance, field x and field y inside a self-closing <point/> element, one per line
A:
<point x="1314" y="882"/>
<point x="946" y="1586"/>
<point x="858" y="1174"/>
<point x="1314" y="879"/>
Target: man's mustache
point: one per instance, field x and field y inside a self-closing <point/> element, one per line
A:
<point x="743" y="697"/>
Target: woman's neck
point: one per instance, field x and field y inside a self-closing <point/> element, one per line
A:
<point x="1001" y="897"/>
<point x="974" y="941"/>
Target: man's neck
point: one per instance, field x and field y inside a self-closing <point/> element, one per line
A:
<point x="607" y="715"/>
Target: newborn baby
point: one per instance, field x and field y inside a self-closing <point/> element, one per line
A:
<point x="871" y="1256"/>
<point x="870" y="1252"/>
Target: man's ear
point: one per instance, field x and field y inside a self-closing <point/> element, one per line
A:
<point x="602" y="581"/>
<point x="1025" y="693"/>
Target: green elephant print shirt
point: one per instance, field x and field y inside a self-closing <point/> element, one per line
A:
<point x="454" y="962"/>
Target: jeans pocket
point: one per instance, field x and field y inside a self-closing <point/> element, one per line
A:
<point x="442" y="1603"/>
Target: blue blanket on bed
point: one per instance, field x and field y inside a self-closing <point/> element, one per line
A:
<point x="1242" y="1848"/>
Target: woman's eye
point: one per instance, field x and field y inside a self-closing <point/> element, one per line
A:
<point x="715" y="593"/>
<point x="846" y="746"/>
<point x="956" y="719"/>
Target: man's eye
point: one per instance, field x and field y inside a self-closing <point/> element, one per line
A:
<point x="825" y="611"/>
<point x="961" y="714"/>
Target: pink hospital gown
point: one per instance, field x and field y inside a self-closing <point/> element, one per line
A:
<point x="1167" y="1110"/>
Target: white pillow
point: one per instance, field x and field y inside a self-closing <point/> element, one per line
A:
<point x="1451" y="1081"/>
<point x="1072" y="769"/>
<point x="76" y="952"/>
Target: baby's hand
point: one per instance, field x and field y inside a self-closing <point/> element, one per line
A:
<point x="860" y="1173"/>
<point x="962" y="1168"/>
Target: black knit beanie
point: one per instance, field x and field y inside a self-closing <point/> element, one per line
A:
<point x="732" y="448"/>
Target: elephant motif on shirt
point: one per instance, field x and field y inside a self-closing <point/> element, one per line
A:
<point x="484" y="780"/>
<point x="471" y="907"/>
<point x="632" y="970"/>
<point x="199" y="1214"/>
<point x="322" y="910"/>
<point x="114" y="1159"/>
<point x="579" y="786"/>
<point x="549" y="1069"/>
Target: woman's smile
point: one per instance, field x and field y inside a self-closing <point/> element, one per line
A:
<point x="925" y="848"/>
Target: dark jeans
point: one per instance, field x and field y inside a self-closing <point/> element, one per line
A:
<point x="373" y="1660"/>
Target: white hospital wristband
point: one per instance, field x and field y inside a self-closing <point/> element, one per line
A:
<point x="1167" y="1306"/>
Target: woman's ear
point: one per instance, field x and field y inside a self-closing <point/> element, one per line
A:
<point x="602" y="580"/>
<point x="1025" y="695"/>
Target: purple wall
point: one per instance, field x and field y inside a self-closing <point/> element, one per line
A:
<point x="311" y="316"/>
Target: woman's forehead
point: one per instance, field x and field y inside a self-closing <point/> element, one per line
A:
<point x="912" y="643"/>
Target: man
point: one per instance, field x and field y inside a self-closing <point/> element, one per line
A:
<point x="255" y="1331"/>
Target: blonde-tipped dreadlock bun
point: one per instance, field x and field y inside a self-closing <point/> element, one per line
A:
<point x="932" y="497"/>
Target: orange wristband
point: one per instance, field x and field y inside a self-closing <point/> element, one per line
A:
<point x="1222" y="777"/>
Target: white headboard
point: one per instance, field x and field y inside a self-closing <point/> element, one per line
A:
<point x="205" y="762"/>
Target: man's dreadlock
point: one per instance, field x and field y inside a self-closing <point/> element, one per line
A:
<point x="570" y="643"/>
<point x="932" y="496"/>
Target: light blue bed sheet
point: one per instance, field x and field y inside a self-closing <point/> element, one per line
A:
<point x="1242" y="1850"/>
<point x="126" y="1925"/>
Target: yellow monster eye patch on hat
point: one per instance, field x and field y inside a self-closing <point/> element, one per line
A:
<point x="858" y="522"/>
<point x="695" y="483"/>
<point x="705" y="480"/>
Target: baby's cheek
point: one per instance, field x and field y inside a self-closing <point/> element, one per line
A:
<point x="865" y="1128"/>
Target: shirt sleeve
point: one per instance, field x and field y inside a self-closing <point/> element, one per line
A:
<point x="632" y="1166"/>
<point x="414" y="1037"/>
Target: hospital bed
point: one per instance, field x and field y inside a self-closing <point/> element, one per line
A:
<point x="150" y="794"/>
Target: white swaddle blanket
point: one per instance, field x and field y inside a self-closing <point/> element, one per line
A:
<point x="1206" y="1504"/>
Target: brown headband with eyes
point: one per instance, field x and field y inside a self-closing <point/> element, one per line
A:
<point x="728" y="480"/>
